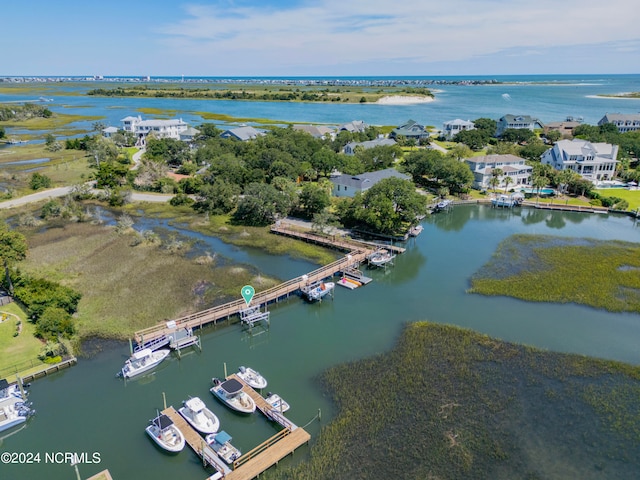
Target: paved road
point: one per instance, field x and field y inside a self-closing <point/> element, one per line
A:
<point x="62" y="191"/>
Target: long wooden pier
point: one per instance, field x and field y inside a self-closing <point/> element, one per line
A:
<point x="259" y="459"/>
<point x="357" y="254"/>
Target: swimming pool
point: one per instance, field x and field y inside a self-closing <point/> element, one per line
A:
<point x="543" y="191"/>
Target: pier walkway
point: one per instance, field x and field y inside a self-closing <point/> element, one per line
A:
<point x="357" y="254"/>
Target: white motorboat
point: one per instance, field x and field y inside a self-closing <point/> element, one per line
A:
<point x="230" y="393"/>
<point x="199" y="416"/>
<point x="166" y="434"/>
<point x="252" y="378"/>
<point x="317" y="291"/>
<point x="221" y="444"/>
<point x="277" y="402"/>
<point x="380" y="257"/>
<point x="12" y="414"/>
<point x="9" y="392"/>
<point x="143" y="361"/>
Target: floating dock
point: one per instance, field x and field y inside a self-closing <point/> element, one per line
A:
<point x="253" y="463"/>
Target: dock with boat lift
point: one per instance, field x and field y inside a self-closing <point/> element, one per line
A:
<point x="261" y="458"/>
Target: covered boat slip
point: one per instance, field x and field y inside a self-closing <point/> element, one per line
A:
<point x="253" y="463"/>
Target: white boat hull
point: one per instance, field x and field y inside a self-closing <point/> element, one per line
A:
<point x="210" y="425"/>
<point x="252" y="378"/>
<point x="277" y="403"/>
<point x="242" y="402"/>
<point x="170" y="439"/>
<point x="139" y="366"/>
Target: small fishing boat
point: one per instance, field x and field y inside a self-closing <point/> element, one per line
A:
<point x="277" y="402"/>
<point x="221" y="444"/>
<point x="317" y="291"/>
<point x="166" y="434"/>
<point x="12" y="414"/>
<point x="230" y="393"/>
<point x="380" y="257"/>
<point x="9" y="392"/>
<point x="415" y="231"/>
<point x="143" y="361"/>
<point x="199" y="416"/>
<point x="252" y="378"/>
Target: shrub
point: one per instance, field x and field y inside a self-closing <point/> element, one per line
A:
<point x="39" y="181"/>
<point x="181" y="199"/>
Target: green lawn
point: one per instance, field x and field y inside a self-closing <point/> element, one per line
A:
<point x="16" y="350"/>
<point x="631" y="196"/>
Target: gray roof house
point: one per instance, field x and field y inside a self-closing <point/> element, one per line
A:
<point x="349" y="148"/>
<point x="320" y="131"/>
<point x="243" y="133"/>
<point x="189" y="134"/>
<point x="109" y="131"/>
<point x="624" y="122"/>
<point x="516" y="122"/>
<point x="349" y="185"/>
<point x="410" y="129"/>
<point x="592" y="161"/>
<point x="354" y="126"/>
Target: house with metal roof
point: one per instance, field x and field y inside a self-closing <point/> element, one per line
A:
<point x="592" y="161"/>
<point x="355" y="126"/>
<point x="159" y="128"/>
<point x="348" y="185"/>
<point x="451" y="128"/>
<point x="320" y="131"/>
<point x="517" y="122"/>
<point x="350" y="148"/>
<point x="624" y="122"/>
<point x="512" y="166"/>
<point x="243" y="133"/>
<point x="410" y="130"/>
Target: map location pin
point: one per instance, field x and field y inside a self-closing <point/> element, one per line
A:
<point x="247" y="293"/>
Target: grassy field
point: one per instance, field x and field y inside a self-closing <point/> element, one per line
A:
<point x="601" y="274"/>
<point x="16" y="350"/>
<point x="631" y="196"/>
<point x="447" y="403"/>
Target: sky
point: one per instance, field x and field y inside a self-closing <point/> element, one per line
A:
<point x="318" y="37"/>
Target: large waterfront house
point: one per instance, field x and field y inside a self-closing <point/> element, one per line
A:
<point x="512" y="167"/>
<point x="517" y="122"/>
<point x="592" y="161"/>
<point x="159" y="128"/>
<point x="565" y="128"/>
<point x="243" y="133"/>
<point x="350" y="148"/>
<point x="451" y="128"/>
<point x="348" y="185"/>
<point x="410" y="130"/>
<point x="624" y="122"/>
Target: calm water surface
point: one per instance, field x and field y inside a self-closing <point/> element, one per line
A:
<point x="86" y="409"/>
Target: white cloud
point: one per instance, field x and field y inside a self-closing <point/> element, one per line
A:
<point x="325" y="33"/>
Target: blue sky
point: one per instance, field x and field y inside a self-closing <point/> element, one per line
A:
<point x="320" y="37"/>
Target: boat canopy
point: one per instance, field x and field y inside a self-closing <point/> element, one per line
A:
<point x="222" y="437"/>
<point x="231" y="386"/>
<point x="163" y="421"/>
<point x="145" y="352"/>
<point x="3" y="384"/>
<point x="195" y="404"/>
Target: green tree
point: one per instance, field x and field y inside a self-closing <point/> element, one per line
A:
<point x="38" y="181"/>
<point x="13" y="248"/>
<point x="2" y="132"/>
<point x="217" y="198"/>
<point x="313" y="199"/>
<point x="507" y="181"/>
<point x="474" y="139"/>
<point x="494" y="181"/>
<point x="55" y="322"/>
<point x="261" y="204"/>
<point x="553" y="135"/>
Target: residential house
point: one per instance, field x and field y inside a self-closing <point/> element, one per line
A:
<point x="189" y="135"/>
<point x="565" y="128"/>
<point x="243" y="133"/>
<point x="453" y="127"/>
<point x="320" y="131"/>
<point x="109" y="131"/>
<point x="410" y="130"/>
<point x="350" y="148"/>
<point x="512" y="166"/>
<point x="517" y="121"/>
<point x="159" y="128"/>
<point x="624" y="122"/>
<point x="355" y="126"/>
<point x="349" y="185"/>
<point x="592" y="161"/>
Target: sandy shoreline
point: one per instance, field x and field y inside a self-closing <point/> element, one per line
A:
<point x="403" y="100"/>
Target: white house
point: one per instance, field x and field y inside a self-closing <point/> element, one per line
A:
<point x="159" y="128"/>
<point x="513" y="167"/>
<point x="516" y="122"/>
<point x="592" y="161"/>
<point x="625" y="123"/>
<point x="109" y="132"/>
<point x="453" y="127"/>
<point x="348" y="185"/>
<point x="350" y="148"/>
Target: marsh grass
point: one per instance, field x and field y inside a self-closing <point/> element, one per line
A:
<point x="447" y="403"/>
<point x="127" y="284"/>
<point x="601" y="274"/>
